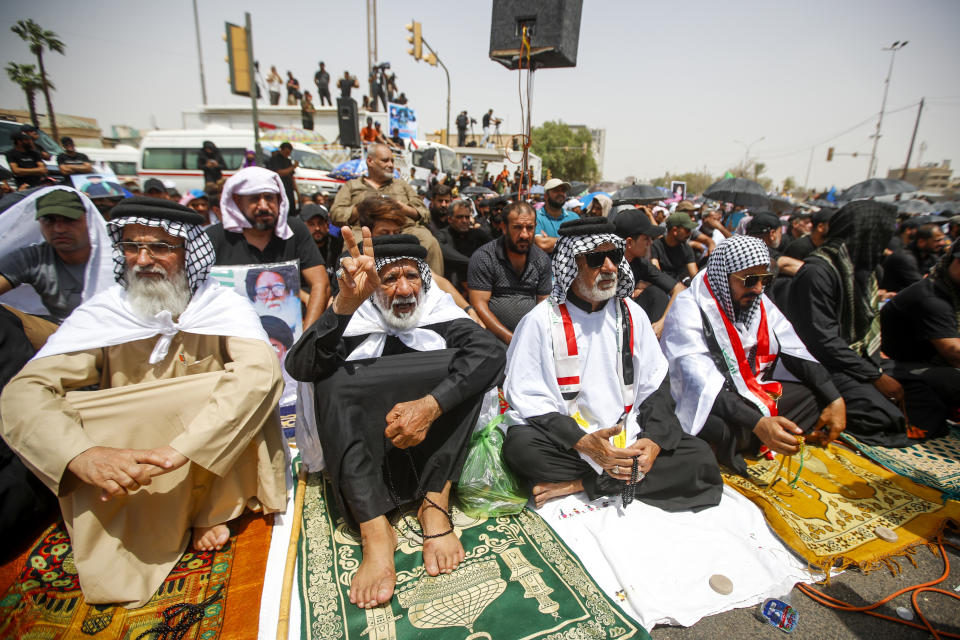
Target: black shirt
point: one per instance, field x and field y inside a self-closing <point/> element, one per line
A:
<point x="512" y="294"/>
<point x="29" y="159"/>
<point x="345" y="85"/>
<point x="920" y="313"/>
<point x="903" y="268"/>
<point x="322" y="80"/>
<point x="645" y="271"/>
<point x="233" y="248"/>
<point x="486" y="120"/>
<point x="801" y="248"/>
<point x="276" y="163"/>
<point x="72" y="158"/>
<point x="673" y="260"/>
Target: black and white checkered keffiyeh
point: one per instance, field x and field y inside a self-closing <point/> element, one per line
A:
<point x="565" y="263"/>
<point x="200" y="255"/>
<point x="422" y="266"/>
<point x="736" y="253"/>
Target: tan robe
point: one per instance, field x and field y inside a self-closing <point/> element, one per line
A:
<point x="213" y="399"/>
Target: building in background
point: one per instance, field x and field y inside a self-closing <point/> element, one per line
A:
<point x="929" y="177"/>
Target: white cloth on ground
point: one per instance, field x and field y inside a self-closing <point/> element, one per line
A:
<point x="19" y="228"/>
<point x="107" y="320"/>
<point x="662" y="576"/>
<point x="251" y="181"/>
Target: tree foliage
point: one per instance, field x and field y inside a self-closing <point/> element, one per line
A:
<point x="25" y="76"/>
<point x="565" y="152"/>
<point x="38" y="39"/>
<point x="697" y="181"/>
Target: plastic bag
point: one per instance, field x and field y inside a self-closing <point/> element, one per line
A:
<point x="487" y="487"/>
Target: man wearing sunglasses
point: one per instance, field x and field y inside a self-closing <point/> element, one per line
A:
<point x="727" y="346"/>
<point x="589" y="384"/>
<point x="182" y="434"/>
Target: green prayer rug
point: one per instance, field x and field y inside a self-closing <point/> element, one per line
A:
<point x="935" y="463"/>
<point x="518" y="581"/>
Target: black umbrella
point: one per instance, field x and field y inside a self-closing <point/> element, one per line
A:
<point x="779" y="204"/>
<point x="877" y="187"/>
<point x="738" y="192"/>
<point x="477" y="191"/>
<point x="637" y="194"/>
<point x="576" y="188"/>
<point x="915" y="207"/>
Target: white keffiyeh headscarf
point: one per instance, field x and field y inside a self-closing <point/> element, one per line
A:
<point x="732" y="255"/>
<point x="251" y="181"/>
<point x="565" y="263"/>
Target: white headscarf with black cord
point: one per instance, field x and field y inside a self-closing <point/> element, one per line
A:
<point x="583" y="236"/>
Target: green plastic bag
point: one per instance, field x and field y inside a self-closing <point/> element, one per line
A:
<point x="487" y="487"/>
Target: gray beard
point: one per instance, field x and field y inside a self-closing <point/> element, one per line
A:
<point x="394" y="320"/>
<point x="595" y="293"/>
<point x="148" y="297"/>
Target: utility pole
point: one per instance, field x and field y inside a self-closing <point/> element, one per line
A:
<point x="746" y="150"/>
<point x="896" y="46"/>
<point x="913" y="138"/>
<point x="372" y="57"/>
<point x="806" y="179"/>
<point x="253" y="88"/>
<point x="196" y="27"/>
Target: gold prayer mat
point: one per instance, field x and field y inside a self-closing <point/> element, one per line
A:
<point x="518" y="581"/>
<point x="832" y="514"/>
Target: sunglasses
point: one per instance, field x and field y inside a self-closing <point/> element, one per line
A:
<point x="751" y="281"/>
<point x="596" y="259"/>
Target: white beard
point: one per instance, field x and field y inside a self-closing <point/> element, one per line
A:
<point x="595" y="293"/>
<point x="150" y="296"/>
<point x="395" y="320"/>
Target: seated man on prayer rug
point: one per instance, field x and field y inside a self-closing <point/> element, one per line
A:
<point x="588" y="380"/>
<point x="400" y="372"/>
<point x="723" y="319"/>
<point x="921" y="333"/>
<point x="833" y="306"/>
<point x="183" y="432"/>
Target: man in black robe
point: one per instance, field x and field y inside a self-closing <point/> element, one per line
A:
<point x="400" y="372"/>
<point x="577" y="361"/>
<point x="833" y="305"/>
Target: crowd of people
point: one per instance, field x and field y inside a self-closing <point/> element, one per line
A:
<point x="639" y="348"/>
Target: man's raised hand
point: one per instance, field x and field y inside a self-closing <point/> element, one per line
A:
<point x="357" y="274"/>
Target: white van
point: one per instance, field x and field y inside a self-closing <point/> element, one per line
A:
<point x="425" y="156"/>
<point x="172" y="155"/>
<point x="121" y="160"/>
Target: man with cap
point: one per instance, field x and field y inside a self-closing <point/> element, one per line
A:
<point x="509" y="276"/>
<point x="394" y="350"/>
<point x="701" y="240"/>
<point x="154" y="188"/>
<point x="767" y="226"/>
<point x="921" y="333"/>
<point x="654" y="291"/>
<point x="799" y="225"/>
<point x="182" y="435"/>
<point x="671" y="253"/>
<point x="723" y="340"/>
<point x="56" y="242"/>
<point x="552" y="215"/>
<point x="256" y="228"/>
<point x="72" y="161"/>
<point x="380" y="182"/>
<point x="903" y="268"/>
<point x="834" y="308"/>
<point x="820" y="225"/>
<point x="317" y="219"/>
<point x="589" y="390"/>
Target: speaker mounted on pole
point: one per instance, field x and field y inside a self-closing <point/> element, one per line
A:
<point x="553" y="27"/>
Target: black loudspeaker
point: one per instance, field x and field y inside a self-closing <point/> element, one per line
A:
<point x="553" y="27"/>
<point x="348" y="121"/>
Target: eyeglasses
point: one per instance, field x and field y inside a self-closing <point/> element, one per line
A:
<point x="751" y="281"/>
<point x="154" y="249"/>
<point x="276" y="290"/>
<point x="596" y="259"/>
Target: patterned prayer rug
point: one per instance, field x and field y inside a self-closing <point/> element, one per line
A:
<point x="935" y="463"/>
<point x="45" y="602"/>
<point x="831" y="516"/>
<point x="518" y="581"/>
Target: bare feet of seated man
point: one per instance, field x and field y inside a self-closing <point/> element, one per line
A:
<point x="376" y="576"/>
<point x="444" y="553"/>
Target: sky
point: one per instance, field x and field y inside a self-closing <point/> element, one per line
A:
<point x="679" y="86"/>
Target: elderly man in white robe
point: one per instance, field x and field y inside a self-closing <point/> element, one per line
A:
<point x="399" y="372"/>
<point x="183" y="434"/>
<point x="588" y="385"/>
<point x="741" y="377"/>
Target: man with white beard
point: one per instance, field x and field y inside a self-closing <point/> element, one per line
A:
<point x="182" y="435"/>
<point x="399" y="373"/>
<point x="589" y="385"/>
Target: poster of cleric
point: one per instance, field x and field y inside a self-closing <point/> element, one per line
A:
<point x="274" y="291"/>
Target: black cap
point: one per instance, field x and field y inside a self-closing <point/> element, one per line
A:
<point x="586" y="227"/>
<point x="762" y="222"/>
<point x="278" y="330"/>
<point x="823" y="215"/>
<point x="147" y="207"/>
<point x="312" y="211"/>
<point x="633" y="223"/>
<point x="398" y="246"/>
<point x="153" y="184"/>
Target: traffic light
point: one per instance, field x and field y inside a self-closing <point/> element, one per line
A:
<point x="431" y="59"/>
<point x="416" y="40"/>
<point x="829" y="154"/>
<point x="238" y="60"/>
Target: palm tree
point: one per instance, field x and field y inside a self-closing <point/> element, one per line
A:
<point x="25" y="76"/>
<point x="39" y="39"/>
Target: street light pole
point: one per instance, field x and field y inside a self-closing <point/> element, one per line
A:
<point x="196" y="27"/>
<point x="746" y="150"/>
<point x="446" y="132"/>
<point x="896" y="46"/>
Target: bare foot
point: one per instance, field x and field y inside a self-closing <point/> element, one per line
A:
<point x="210" y="538"/>
<point x="376" y="577"/>
<point x="544" y="491"/>
<point x="443" y="554"/>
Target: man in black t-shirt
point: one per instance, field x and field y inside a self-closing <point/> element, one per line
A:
<point x="346" y="84"/>
<point x="322" y="79"/>
<point x="282" y="165"/>
<point x="671" y="253"/>
<point x="25" y="161"/>
<point x="72" y="161"/>
<point x="903" y="268"/>
<point x="804" y="246"/>
<point x="921" y="333"/>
